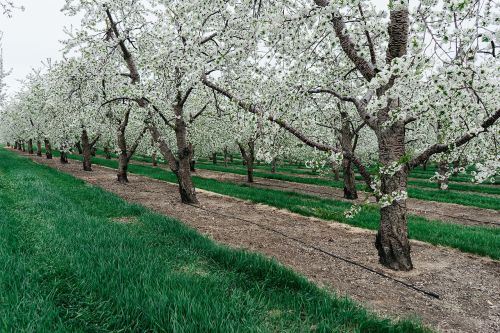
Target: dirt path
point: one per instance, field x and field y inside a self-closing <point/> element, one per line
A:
<point x="468" y="285"/>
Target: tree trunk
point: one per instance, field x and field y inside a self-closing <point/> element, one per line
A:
<point x="30" y="147"/>
<point x="248" y="158"/>
<point x="48" y="149"/>
<point x="425" y="165"/>
<point x="123" y="158"/>
<point x="93" y="151"/>
<point x="273" y="165"/>
<point x="155" y="160"/>
<point x="214" y="158"/>
<point x="443" y="169"/>
<point x="64" y="157"/>
<point x="350" y="191"/>
<point x="184" y="156"/>
<point x="23" y="146"/>
<point x="346" y="142"/>
<point x="123" y="161"/>
<point x="78" y="146"/>
<point x="231" y="158"/>
<point x="86" y="151"/>
<point x="392" y="239"/>
<point x="39" y="148"/>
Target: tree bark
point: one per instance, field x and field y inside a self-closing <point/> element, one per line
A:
<point x="48" y="149"/>
<point x="123" y="162"/>
<point x="155" y="160"/>
<point x="214" y="158"/>
<point x="78" y="146"/>
<point x="86" y="151"/>
<point x="184" y="157"/>
<point x="39" y="148"/>
<point x="392" y="239"/>
<point x="64" y="157"/>
<point x="273" y="165"/>
<point x="30" y="147"/>
<point x="350" y="191"/>
<point x="346" y="142"/>
<point x="248" y="158"/>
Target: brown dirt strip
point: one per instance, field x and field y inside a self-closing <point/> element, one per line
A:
<point x="468" y="285"/>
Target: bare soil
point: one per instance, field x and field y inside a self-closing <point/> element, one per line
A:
<point x="468" y="285"/>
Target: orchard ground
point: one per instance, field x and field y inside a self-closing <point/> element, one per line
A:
<point x="468" y="285"/>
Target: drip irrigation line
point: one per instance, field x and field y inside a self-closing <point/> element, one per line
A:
<point x="333" y="255"/>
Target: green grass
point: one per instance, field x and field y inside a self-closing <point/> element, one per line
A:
<point x="68" y="267"/>
<point x="484" y="241"/>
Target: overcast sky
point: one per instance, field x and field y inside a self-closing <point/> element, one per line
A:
<point x="32" y="36"/>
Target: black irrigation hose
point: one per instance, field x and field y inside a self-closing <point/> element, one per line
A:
<point x="338" y="196"/>
<point x="349" y="261"/>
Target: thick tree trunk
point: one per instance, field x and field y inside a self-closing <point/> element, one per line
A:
<point x="350" y="191"/>
<point x="184" y="157"/>
<point x="123" y="158"/>
<point x="214" y="158"/>
<point x="78" y="146"/>
<point x="443" y="169"/>
<point x="248" y="158"/>
<point x="392" y="239"/>
<point x="86" y="151"/>
<point x="123" y="162"/>
<point x="39" y="148"/>
<point x="64" y="157"/>
<point x="48" y="149"/>
<point x="346" y="142"/>
<point x="30" y="147"/>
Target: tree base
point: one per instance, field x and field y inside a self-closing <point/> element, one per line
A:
<point x="393" y="256"/>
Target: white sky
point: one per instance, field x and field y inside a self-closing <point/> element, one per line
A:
<point x="32" y="36"/>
